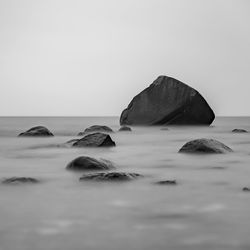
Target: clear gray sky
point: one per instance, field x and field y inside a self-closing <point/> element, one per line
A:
<point x="90" y="57"/>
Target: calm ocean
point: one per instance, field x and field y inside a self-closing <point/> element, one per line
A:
<point x="206" y="210"/>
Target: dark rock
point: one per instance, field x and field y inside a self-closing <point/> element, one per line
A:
<point x="167" y="182"/>
<point x="96" y="128"/>
<point x="246" y="189"/>
<point x="125" y="128"/>
<point x="205" y="146"/>
<point x="37" y="131"/>
<point x="85" y="163"/>
<point x="165" y="128"/>
<point x="111" y="176"/>
<point x="95" y="140"/>
<point x="239" y="130"/>
<point x="19" y="180"/>
<point x="168" y="101"/>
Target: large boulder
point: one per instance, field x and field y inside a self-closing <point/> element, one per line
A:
<point x="95" y="140"/>
<point x="205" y="146"/>
<point x="85" y="163"/>
<point x="96" y="128"/>
<point x="37" y="131"/>
<point x="111" y="176"/>
<point x="168" y="101"/>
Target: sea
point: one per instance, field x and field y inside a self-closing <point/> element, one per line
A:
<point x="207" y="209"/>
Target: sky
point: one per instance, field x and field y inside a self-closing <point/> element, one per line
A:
<point x="91" y="57"/>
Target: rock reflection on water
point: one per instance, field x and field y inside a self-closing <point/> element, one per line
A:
<point x="207" y="209"/>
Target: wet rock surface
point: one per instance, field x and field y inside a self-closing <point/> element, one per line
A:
<point x="96" y="128"/>
<point x="86" y="163"/>
<point x="95" y="140"/>
<point x="37" y="131"/>
<point x="19" y="180"/>
<point x="125" y="128"/>
<point x="168" y="101"/>
<point x="111" y="176"/>
<point x="205" y="146"/>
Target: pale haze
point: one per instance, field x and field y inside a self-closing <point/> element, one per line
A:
<point x="90" y="58"/>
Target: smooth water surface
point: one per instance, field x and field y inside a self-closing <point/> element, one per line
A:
<point x="206" y="210"/>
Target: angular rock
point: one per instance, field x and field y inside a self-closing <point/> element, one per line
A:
<point x="96" y="128"/>
<point x="237" y="130"/>
<point x="19" y="180"/>
<point x="95" y="140"/>
<point x="37" y="131"/>
<point x="168" y="101"/>
<point x="125" y="128"/>
<point x="205" y="146"/>
<point x="85" y="163"/>
<point x="167" y="182"/>
<point x="111" y="176"/>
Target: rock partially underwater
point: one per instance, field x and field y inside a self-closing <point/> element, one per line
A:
<point x="85" y="163"/>
<point x="96" y="128"/>
<point x="20" y="180"/>
<point x="95" y="140"/>
<point x="125" y="128"/>
<point x="168" y="101"/>
<point x="205" y="146"/>
<point x="111" y="176"/>
<point x="37" y="131"/>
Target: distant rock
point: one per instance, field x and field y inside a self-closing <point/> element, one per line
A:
<point x="37" y="131"/>
<point x="85" y="163"/>
<point x="96" y="128"/>
<point x="237" y="130"/>
<point x="168" y="101"/>
<point x="167" y="182"/>
<point x="111" y="176"/>
<point x="165" y="128"/>
<point x="125" y="128"/>
<point x="95" y="140"/>
<point x="205" y="146"/>
<point x="246" y="189"/>
<point x="19" y="180"/>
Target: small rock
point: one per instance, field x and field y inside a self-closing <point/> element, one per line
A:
<point x="85" y="163"/>
<point x="237" y="130"/>
<point x="111" y="176"/>
<point x="19" y="180"/>
<point x="125" y="128"/>
<point x="246" y="189"/>
<point x="37" y="131"/>
<point x="96" y="128"/>
<point x="95" y="140"/>
<point x="205" y="146"/>
<point x="165" y="128"/>
<point x="167" y="182"/>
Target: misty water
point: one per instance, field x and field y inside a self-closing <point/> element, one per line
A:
<point x="207" y="209"/>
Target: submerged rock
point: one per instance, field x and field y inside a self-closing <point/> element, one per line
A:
<point x="19" y="180"/>
<point x="125" y="128"/>
<point x="246" y="189"/>
<point x="85" y="163"/>
<point x="168" y="101"/>
<point x="237" y="130"/>
<point x="95" y="140"/>
<point x="167" y="182"/>
<point x="205" y="146"/>
<point x="96" y="128"/>
<point x="37" y="131"/>
<point x="111" y="176"/>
